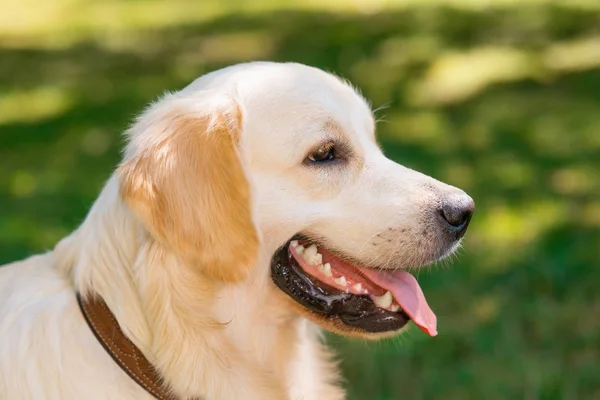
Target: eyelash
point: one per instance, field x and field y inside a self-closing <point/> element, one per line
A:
<point x="324" y="154"/>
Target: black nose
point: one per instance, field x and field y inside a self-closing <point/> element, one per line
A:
<point x="457" y="210"/>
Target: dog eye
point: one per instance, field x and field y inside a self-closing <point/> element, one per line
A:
<point x="324" y="154"/>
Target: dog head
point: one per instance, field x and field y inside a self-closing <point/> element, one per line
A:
<point x="278" y="163"/>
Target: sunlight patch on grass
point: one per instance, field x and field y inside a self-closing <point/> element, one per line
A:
<point x="576" y="55"/>
<point x="506" y="232"/>
<point x="502" y="224"/>
<point x="400" y="51"/>
<point x="60" y="23"/>
<point x="237" y="47"/>
<point x="459" y="174"/>
<point x="63" y="23"/>
<point x="576" y="180"/>
<point x="426" y="128"/>
<point x="34" y="104"/>
<point x="454" y="77"/>
<point x="22" y="184"/>
<point x="485" y="4"/>
<point x="590" y="214"/>
<point x="28" y="16"/>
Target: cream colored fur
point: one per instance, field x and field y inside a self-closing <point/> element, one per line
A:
<point x="180" y="239"/>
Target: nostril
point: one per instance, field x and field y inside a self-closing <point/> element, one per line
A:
<point x="455" y="216"/>
<point x="457" y="211"/>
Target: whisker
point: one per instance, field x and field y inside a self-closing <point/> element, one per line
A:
<point x="382" y="107"/>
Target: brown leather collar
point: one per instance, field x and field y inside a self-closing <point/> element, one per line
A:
<point x="131" y="360"/>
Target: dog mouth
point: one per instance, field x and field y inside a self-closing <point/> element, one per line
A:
<point x="367" y="299"/>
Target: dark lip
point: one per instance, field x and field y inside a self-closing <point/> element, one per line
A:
<point x="353" y="310"/>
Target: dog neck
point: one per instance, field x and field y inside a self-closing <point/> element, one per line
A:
<point x="204" y="337"/>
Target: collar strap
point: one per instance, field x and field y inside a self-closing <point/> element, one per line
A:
<point x="105" y="327"/>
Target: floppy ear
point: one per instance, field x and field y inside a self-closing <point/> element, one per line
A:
<point x="182" y="176"/>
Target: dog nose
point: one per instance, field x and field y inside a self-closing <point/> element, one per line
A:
<point x="457" y="210"/>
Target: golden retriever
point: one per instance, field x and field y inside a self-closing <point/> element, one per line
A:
<point x="251" y="209"/>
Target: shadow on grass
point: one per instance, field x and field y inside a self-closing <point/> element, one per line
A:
<point x="517" y="312"/>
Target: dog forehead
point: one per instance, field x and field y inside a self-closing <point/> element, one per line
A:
<point x="298" y="90"/>
<point x="289" y="105"/>
<point x="293" y="102"/>
<point x="270" y="91"/>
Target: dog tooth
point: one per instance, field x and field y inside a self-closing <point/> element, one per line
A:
<point x="309" y="253"/>
<point x="341" y="281"/>
<point x="318" y="259"/>
<point x="384" y="301"/>
<point x="357" y="287"/>
<point x="327" y="269"/>
<point x="300" y="249"/>
<point x="294" y="243"/>
<point x="395" y="307"/>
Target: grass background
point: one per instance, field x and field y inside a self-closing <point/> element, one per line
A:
<point x="501" y="98"/>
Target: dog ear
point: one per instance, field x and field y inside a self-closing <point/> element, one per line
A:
<point x="183" y="177"/>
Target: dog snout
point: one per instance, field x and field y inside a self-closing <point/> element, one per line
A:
<point x="456" y="212"/>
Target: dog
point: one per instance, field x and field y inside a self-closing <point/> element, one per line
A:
<point x="251" y="210"/>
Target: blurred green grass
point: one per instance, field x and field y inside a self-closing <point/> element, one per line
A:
<point x="501" y="98"/>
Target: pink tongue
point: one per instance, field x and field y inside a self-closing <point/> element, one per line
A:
<point x="408" y="294"/>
